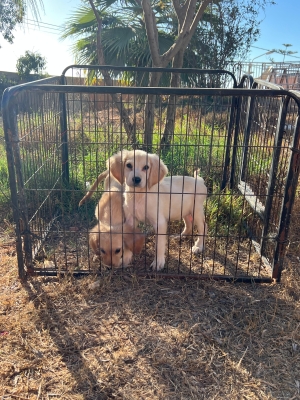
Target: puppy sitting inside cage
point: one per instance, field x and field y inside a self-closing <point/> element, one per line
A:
<point x="112" y="239"/>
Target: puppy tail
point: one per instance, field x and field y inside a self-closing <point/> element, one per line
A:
<point x="93" y="188"/>
<point x="197" y="176"/>
<point x="197" y="173"/>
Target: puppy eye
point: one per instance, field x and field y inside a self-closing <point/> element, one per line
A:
<point x="129" y="166"/>
<point x="102" y="251"/>
<point x="145" y="167"/>
<point x="117" y="251"/>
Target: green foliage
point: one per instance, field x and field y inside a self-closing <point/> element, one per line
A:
<point x="6" y="82"/>
<point x="225" y="213"/>
<point x="5" y="211"/>
<point x="224" y="35"/>
<point x="11" y="14"/>
<point x="226" y="32"/>
<point x="31" y="62"/>
<point x="285" y="52"/>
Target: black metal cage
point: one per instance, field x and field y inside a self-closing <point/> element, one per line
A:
<point x="244" y="140"/>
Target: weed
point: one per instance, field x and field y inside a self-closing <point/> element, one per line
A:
<point x="225" y="213"/>
<point x="4" y="180"/>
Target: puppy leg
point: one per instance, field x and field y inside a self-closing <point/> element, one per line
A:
<point x="202" y="230"/>
<point x="161" y="230"/>
<point x="188" y="225"/>
<point x="133" y="238"/>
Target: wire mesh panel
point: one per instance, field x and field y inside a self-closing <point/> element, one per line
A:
<point x="217" y="135"/>
<point x="263" y="157"/>
<point x="34" y="151"/>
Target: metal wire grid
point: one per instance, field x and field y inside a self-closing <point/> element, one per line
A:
<point x="264" y="154"/>
<point x="139" y="76"/>
<point x="200" y="141"/>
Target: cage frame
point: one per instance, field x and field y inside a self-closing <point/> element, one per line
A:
<point x="23" y="234"/>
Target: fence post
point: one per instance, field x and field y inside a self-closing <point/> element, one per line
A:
<point x="274" y="167"/>
<point x="248" y="81"/>
<point x="19" y="206"/>
<point x="288" y="201"/>
<point x="235" y="140"/>
<point x="64" y="134"/>
<point x="249" y="121"/>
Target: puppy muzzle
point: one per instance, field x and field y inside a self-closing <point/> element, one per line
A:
<point x="136" y="180"/>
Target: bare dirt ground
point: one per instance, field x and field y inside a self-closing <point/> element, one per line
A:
<point x="136" y="338"/>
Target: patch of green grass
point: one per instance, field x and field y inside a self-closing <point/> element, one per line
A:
<point x="4" y="182"/>
<point x="225" y="213"/>
<point x="198" y="149"/>
<point x="5" y="205"/>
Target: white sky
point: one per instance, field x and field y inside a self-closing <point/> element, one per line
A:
<point x="44" y="39"/>
<point x="280" y="26"/>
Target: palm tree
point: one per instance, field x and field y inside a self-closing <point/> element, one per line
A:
<point x="285" y="52"/>
<point x="114" y="35"/>
<point x="34" y="5"/>
<point x="123" y="35"/>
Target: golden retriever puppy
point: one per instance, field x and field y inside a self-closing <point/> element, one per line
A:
<point x="116" y="244"/>
<point x="112" y="239"/>
<point x="152" y="197"/>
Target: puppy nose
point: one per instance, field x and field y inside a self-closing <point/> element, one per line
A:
<point x="136" y="180"/>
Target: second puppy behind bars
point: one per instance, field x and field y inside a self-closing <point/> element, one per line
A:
<point x="112" y="239"/>
<point x="152" y="197"/>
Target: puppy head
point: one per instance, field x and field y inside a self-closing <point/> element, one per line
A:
<point x="158" y="170"/>
<point x="107" y="245"/>
<point x="115" y="245"/>
<point x="137" y="168"/>
<point x="115" y="164"/>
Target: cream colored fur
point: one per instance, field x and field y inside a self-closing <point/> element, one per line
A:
<point x="152" y="197"/>
<point x="112" y="239"/>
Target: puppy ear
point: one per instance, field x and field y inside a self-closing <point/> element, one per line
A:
<point x="133" y="238"/>
<point x="94" y="240"/>
<point x="158" y="170"/>
<point x="115" y="164"/>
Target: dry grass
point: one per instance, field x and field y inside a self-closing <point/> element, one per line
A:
<point x="232" y="256"/>
<point x="135" y="338"/>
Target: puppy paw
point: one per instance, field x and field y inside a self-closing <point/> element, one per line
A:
<point x="127" y="257"/>
<point x="197" y="250"/>
<point x="94" y="285"/>
<point x="157" y="265"/>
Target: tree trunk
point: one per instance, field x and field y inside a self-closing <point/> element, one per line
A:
<point x="129" y="127"/>
<point x="188" y="18"/>
<point x="149" y="112"/>
<point x="171" y="109"/>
